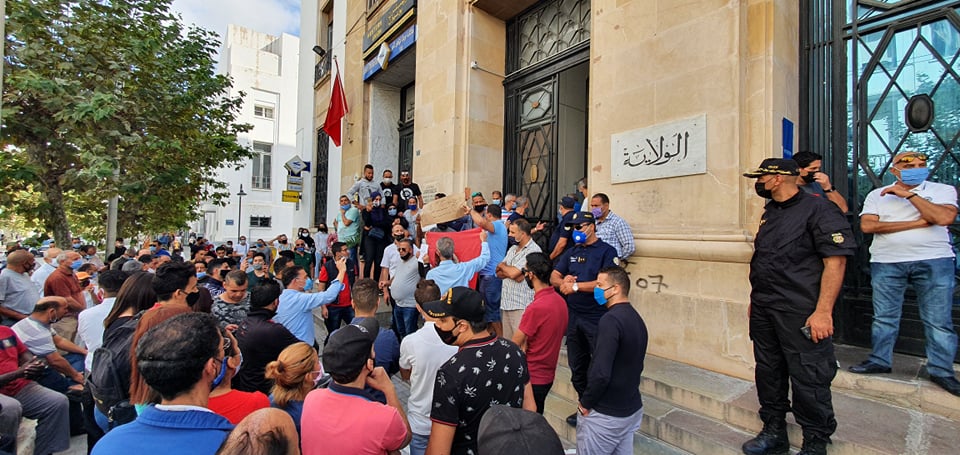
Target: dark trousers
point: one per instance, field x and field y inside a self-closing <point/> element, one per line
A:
<point x="581" y="339"/>
<point x="336" y="317"/>
<point x="540" y="392"/>
<point x="788" y="360"/>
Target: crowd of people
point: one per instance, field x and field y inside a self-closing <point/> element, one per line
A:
<point x="218" y="352"/>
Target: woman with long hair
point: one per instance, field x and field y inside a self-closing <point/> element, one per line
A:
<point x="293" y="375"/>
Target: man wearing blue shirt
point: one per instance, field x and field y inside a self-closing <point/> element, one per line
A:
<point x="448" y="274"/>
<point x="491" y="286"/>
<point x="296" y="306"/>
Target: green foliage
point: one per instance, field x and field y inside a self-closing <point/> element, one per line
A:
<point x="112" y="97"/>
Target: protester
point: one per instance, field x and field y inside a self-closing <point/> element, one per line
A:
<point x="409" y="189"/>
<point x="612" y="229"/>
<point x="49" y="265"/>
<point x="37" y="334"/>
<point x="504" y="429"/>
<point x="402" y="275"/>
<point x="611" y="407"/>
<point x="296" y="306"/>
<point x="516" y="293"/>
<point x="347" y="224"/>
<point x="794" y="288"/>
<point x="90" y="324"/>
<point x="490" y="285"/>
<point x="18" y="294"/>
<point x="363" y="188"/>
<point x="232" y="305"/>
<point x="365" y="302"/>
<point x="466" y="386"/>
<point x="303" y="255"/>
<point x="226" y="401"/>
<point x="264" y="432"/>
<point x="542" y="327"/>
<point x="261" y="338"/>
<point x="340" y="311"/>
<point x="377" y="224"/>
<point x="217" y="271"/>
<point x="345" y="408"/>
<point x="20" y="395"/>
<point x="422" y="353"/>
<point x="181" y="359"/>
<point x="448" y="274"/>
<point x="293" y="375"/>
<point x="63" y="283"/>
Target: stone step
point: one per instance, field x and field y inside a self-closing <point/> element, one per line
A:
<point x="729" y="407"/>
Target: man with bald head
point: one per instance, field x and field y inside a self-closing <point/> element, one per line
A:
<point x="63" y="282"/>
<point x="18" y="294"/>
<point x="37" y="333"/>
<point x="49" y="264"/>
<point x="911" y="245"/>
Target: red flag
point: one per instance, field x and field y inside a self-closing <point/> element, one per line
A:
<point x="466" y="245"/>
<point x="336" y="110"/>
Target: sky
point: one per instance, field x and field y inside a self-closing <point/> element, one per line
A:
<point x="266" y="16"/>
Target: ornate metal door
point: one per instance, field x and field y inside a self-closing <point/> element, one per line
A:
<point x="534" y="166"/>
<point x="320" y="170"/>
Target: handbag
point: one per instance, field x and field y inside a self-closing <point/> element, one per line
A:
<point x="377" y="233"/>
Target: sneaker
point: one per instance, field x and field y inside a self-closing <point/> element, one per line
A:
<point x="771" y="441"/>
<point x="868" y="367"/>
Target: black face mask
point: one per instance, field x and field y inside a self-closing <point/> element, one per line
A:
<point x="762" y="191"/>
<point x="407" y="256"/>
<point x="529" y="281"/>
<point x="480" y="208"/>
<point x="192" y="298"/>
<point x="399" y="237"/>
<point x="446" y="336"/>
<point x="810" y="178"/>
<point x="323" y="229"/>
<point x="284" y="241"/>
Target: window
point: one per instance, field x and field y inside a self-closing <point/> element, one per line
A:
<point x="261" y="165"/>
<point x="263" y="111"/>
<point x="260" y="221"/>
<point x="372" y="4"/>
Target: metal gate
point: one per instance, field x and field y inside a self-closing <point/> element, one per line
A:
<point x="320" y="170"/>
<point x="862" y="61"/>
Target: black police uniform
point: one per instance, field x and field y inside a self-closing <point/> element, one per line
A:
<point x="584" y="262"/>
<point x="794" y="237"/>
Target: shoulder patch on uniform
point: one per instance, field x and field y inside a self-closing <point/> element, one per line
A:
<point x="837" y="237"/>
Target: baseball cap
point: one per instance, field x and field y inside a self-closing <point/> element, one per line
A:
<point x="582" y="217"/>
<point x="516" y="431"/>
<point x="349" y="347"/>
<point x="83" y="276"/>
<point x="567" y="202"/>
<point x="460" y="302"/>
<point x="774" y="166"/>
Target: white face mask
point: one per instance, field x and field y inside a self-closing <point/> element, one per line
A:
<point x="387" y="180"/>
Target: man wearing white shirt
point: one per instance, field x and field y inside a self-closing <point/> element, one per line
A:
<point x="90" y="321"/>
<point x="241" y="248"/>
<point x="911" y="245"/>
<point x="49" y="265"/>
<point x="422" y="353"/>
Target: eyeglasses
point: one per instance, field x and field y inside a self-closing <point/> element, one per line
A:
<point x="403" y="249"/>
<point x="908" y="158"/>
<point x="580" y="227"/>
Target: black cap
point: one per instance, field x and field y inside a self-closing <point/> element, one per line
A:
<point x="582" y="217"/>
<point x="567" y="202"/>
<point x="774" y="166"/>
<point x="516" y="431"/>
<point x="460" y="302"/>
<point x="349" y="346"/>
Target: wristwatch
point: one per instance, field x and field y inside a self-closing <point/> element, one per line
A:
<point x="576" y="287"/>
<point x="830" y="190"/>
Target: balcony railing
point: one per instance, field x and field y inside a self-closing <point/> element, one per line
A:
<point x="322" y="68"/>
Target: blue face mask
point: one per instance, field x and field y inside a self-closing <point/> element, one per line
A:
<point x="201" y="275"/>
<point x="308" y="285"/>
<point x="495" y="201"/>
<point x="412" y="207"/>
<point x="579" y="237"/>
<point x="76" y="264"/>
<point x="914" y="176"/>
<point x="345" y="207"/>
<point x="392" y="212"/>
<point x="223" y="373"/>
<point x="153" y="249"/>
<point x="598" y="296"/>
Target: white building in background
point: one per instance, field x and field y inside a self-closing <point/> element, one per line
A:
<point x="266" y="69"/>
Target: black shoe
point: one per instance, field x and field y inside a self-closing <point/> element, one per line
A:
<point x="868" y="367"/>
<point x="572" y="420"/>
<point x="771" y="441"/>
<point x="949" y="383"/>
<point x="814" y="446"/>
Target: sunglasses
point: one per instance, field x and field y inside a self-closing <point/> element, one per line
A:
<point x="580" y="227"/>
<point x="403" y="249"/>
<point x="913" y="156"/>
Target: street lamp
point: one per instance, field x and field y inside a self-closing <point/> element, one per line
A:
<point x="241" y="194"/>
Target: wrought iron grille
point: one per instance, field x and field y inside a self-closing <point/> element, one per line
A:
<point x="320" y="170"/>
<point x="548" y="30"/>
<point x="537" y="141"/>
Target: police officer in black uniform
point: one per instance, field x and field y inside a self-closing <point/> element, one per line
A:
<point x="575" y="275"/>
<point x="796" y="272"/>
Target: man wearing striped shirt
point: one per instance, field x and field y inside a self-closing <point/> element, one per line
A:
<point x="612" y="229"/>
<point x="516" y="295"/>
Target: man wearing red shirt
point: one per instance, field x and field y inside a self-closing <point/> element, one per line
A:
<point x="63" y="282"/>
<point x="542" y="327"/>
<point x="341" y="311"/>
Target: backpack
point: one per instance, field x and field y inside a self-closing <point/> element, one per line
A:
<point x="106" y="382"/>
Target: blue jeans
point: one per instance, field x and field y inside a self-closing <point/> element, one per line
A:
<point x="490" y="288"/>
<point x="933" y="280"/>
<point x="52" y="379"/>
<point x="406" y="319"/>
<point x="335" y="318"/>
<point x="418" y="445"/>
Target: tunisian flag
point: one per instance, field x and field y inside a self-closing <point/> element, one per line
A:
<point x="466" y="245"/>
<point x="336" y="110"/>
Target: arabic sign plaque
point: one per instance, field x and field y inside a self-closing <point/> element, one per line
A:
<point x="660" y="151"/>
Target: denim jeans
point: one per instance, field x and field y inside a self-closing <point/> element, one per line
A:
<point x="490" y="289"/>
<point x="406" y="319"/>
<point x="418" y="445"/>
<point x="933" y="280"/>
